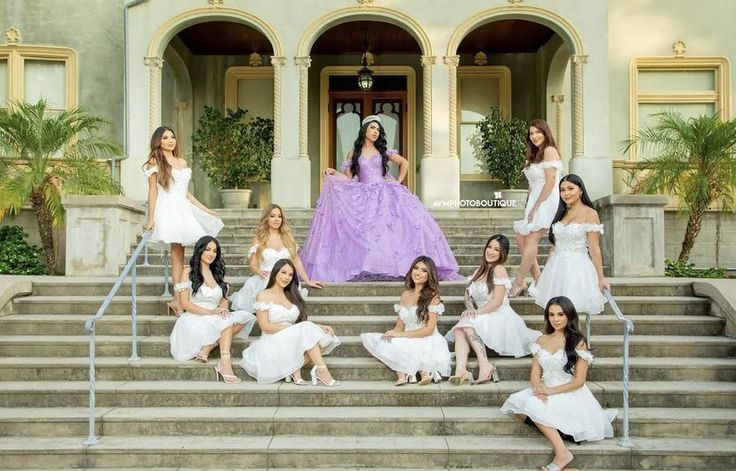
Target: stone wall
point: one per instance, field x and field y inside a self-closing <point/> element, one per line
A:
<point x="703" y="254"/>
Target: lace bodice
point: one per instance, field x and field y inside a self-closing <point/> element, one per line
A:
<point x="553" y="364"/>
<point x="179" y="180"/>
<point x="206" y="297"/>
<point x="408" y="315"/>
<point x="572" y="238"/>
<point x="270" y="256"/>
<point x="371" y="169"/>
<point x="535" y="173"/>
<point x="478" y="290"/>
<point x="278" y="314"/>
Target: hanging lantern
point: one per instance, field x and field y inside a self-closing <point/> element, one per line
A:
<point x="365" y="76"/>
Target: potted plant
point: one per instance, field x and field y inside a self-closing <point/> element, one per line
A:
<point x="502" y="151"/>
<point x="234" y="151"/>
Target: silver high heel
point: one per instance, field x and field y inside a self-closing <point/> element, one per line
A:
<point x="229" y="379"/>
<point x="299" y="382"/>
<point x="316" y="378"/>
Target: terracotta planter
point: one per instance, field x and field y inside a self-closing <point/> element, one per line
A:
<point x="235" y="199"/>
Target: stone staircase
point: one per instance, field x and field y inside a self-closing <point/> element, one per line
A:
<point x="158" y="413"/>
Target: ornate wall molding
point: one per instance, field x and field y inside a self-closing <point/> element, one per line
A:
<point x="278" y="64"/>
<point x="216" y="3"/>
<point x="558" y="100"/>
<point x="578" y="143"/>
<point x="155" y="66"/>
<point x="427" y="63"/>
<point x="303" y="63"/>
<point x="12" y="34"/>
<point x="452" y="63"/>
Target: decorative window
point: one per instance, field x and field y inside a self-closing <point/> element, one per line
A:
<point x="692" y="86"/>
<point x="479" y="88"/>
<point x="250" y="88"/>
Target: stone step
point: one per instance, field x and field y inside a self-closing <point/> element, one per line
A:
<point x="449" y="229"/>
<point x="477" y="239"/>
<point x="352" y="369"/>
<point x="357" y="305"/>
<point x="111" y="324"/>
<point x="459" y="451"/>
<point x="336" y="421"/>
<point x="688" y="394"/>
<point x="351" y="347"/>
<point x="242" y="270"/>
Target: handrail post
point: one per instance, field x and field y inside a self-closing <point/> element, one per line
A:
<point x="587" y="328"/>
<point x="92" y="438"/>
<point x="166" y="292"/>
<point x="145" y="250"/>
<point x="134" y="319"/>
<point x="625" y="440"/>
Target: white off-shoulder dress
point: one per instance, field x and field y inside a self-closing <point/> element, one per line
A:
<point x="535" y="175"/>
<point x="176" y="219"/>
<point x="410" y="355"/>
<point x="194" y="331"/>
<point x="569" y="271"/>
<point x="502" y="330"/>
<point x="576" y="413"/>
<point x="275" y="356"/>
<point x="245" y="297"/>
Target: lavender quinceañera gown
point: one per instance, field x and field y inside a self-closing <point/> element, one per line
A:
<point x="372" y="229"/>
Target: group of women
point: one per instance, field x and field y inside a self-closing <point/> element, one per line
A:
<point x="367" y="226"/>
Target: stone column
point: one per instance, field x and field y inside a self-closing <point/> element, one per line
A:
<point x="578" y="143"/>
<point x="155" y="65"/>
<point x="452" y="63"/>
<point x="558" y="100"/>
<point x="427" y="63"/>
<point x="303" y="63"/>
<point x="278" y="63"/>
<point x="181" y="108"/>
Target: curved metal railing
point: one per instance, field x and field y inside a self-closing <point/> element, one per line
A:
<point x="628" y="329"/>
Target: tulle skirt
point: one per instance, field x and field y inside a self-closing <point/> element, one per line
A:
<point x="193" y="331"/>
<point x="177" y="220"/>
<point x="410" y="355"/>
<point x="573" y="275"/>
<point x="275" y="356"/>
<point x="244" y="298"/>
<point x="576" y="413"/>
<point x="542" y="218"/>
<point x="503" y="331"/>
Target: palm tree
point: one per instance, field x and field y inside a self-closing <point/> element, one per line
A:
<point x="691" y="159"/>
<point x="46" y="154"/>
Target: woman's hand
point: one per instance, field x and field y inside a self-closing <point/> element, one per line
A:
<point x="604" y="284"/>
<point x="328" y="329"/>
<point x="532" y="213"/>
<point x="329" y="171"/>
<point x="263" y="274"/>
<point x="213" y="213"/>
<point x="390" y="334"/>
<point x="314" y="284"/>
<point x="149" y="226"/>
<point x="469" y="313"/>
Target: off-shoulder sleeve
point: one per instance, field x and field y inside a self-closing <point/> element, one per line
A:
<point x="253" y="250"/>
<point x="397" y="308"/>
<point x="552" y="164"/>
<point x="346" y="164"/>
<point x="593" y="228"/>
<point x="150" y="170"/>
<point x="391" y="152"/>
<point x="505" y="282"/>
<point x="260" y="306"/>
<point x="183" y="286"/>
<point x="585" y="355"/>
<point x="438" y="309"/>
<point x="534" y="348"/>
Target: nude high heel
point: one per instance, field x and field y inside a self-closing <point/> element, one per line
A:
<point x="229" y="379"/>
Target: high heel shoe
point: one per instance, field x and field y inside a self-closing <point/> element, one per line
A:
<point x="405" y="380"/>
<point x="203" y="357"/>
<point x="493" y="376"/>
<point x="229" y="379"/>
<point x="171" y="309"/>
<point x="518" y="290"/>
<point x="427" y="378"/>
<point x="413" y="379"/>
<point x="460" y="380"/>
<point x="297" y="381"/>
<point x="316" y="378"/>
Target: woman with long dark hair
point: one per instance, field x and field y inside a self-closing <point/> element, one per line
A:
<point x="488" y="320"/>
<point x="175" y="216"/>
<point x="414" y="344"/>
<point x="575" y="266"/>
<point x="206" y="320"/>
<point x="367" y="226"/>
<point x="543" y="170"/>
<point x="559" y="403"/>
<point x="288" y="338"/>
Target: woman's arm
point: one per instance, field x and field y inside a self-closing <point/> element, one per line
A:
<point x="254" y="265"/>
<point x="196" y="203"/>
<point x="152" y="195"/>
<point x="578" y="381"/>
<point x="594" y="249"/>
<point x="535" y="376"/>
<point x="425" y="331"/>
<point x="303" y="274"/>
<point x="265" y="325"/>
<point x="403" y="166"/>
<point x="187" y="304"/>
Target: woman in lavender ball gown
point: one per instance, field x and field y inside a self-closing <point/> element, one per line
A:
<point x="371" y="228"/>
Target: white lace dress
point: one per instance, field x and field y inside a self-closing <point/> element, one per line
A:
<point x="274" y="356"/>
<point x="569" y="271"/>
<point x="410" y="355"/>
<point x="501" y="330"/>
<point x="576" y="413"/>
<point x="246" y="296"/>
<point x="194" y="331"/>
<point x="535" y="174"/>
<point x="176" y="219"/>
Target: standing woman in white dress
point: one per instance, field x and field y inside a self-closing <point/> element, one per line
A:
<point x="488" y="320"/>
<point x="543" y="170"/>
<point x="559" y="403"/>
<point x="575" y="266"/>
<point x="273" y="241"/>
<point x="175" y="216"/>
<point x="414" y="344"/>
<point x="207" y="320"/>
<point x="287" y="337"/>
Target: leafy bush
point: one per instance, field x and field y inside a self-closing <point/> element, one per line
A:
<point x="18" y="257"/>
<point x="502" y="147"/>
<point x="683" y="269"/>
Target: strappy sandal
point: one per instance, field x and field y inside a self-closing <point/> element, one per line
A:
<point x="460" y="380"/>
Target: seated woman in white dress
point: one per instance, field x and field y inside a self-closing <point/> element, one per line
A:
<point x="488" y="320"/>
<point x="273" y="241"/>
<point x="559" y="403"/>
<point x="287" y="337"/>
<point x="414" y="344"/>
<point x="206" y="319"/>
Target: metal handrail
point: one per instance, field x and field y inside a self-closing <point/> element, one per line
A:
<point x="628" y="329"/>
<point x="90" y="325"/>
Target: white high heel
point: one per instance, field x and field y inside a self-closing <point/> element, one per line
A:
<point x="316" y="378"/>
<point x="299" y="382"/>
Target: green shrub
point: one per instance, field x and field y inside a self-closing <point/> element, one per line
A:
<point x="18" y="257"/>
<point x="502" y="147"/>
<point x="683" y="269"/>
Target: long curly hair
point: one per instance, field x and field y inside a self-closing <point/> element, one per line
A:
<point x="535" y="154"/>
<point x="287" y="238"/>
<point x="485" y="270"/>
<point x="292" y="289"/>
<point x="430" y="290"/>
<point x="156" y="156"/>
<point x="380" y="145"/>
<point x="562" y="206"/>
<point x="573" y="336"/>
<point x="217" y="267"/>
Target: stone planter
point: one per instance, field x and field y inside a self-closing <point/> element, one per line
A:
<point x="513" y="198"/>
<point x="235" y="199"/>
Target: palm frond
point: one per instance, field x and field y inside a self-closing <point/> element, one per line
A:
<point x="53" y="203"/>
